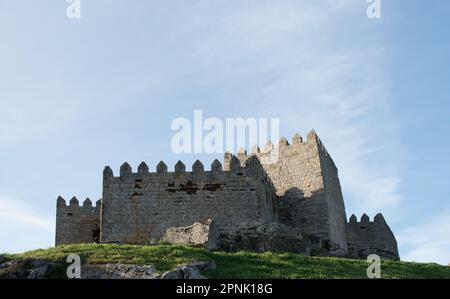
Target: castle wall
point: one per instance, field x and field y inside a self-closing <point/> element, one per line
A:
<point x="75" y="224"/>
<point x="366" y="237"/>
<point x="139" y="207"/>
<point x="307" y="182"/>
<point x="337" y="218"/>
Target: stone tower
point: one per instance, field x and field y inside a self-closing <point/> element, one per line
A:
<point x="307" y="183"/>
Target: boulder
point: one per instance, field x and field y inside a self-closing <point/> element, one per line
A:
<point x="173" y="274"/>
<point x="189" y="271"/>
<point x="5" y="265"/>
<point x="39" y="269"/>
<point x="25" y="269"/>
<point x="118" y="271"/>
<point x="184" y="272"/>
<point x="201" y="233"/>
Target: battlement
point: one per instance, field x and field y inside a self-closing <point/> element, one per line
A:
<point x="367" y="237"/>
<point x="234" y="167"/>
<point x="251" y="172"/>
<point x="365" y="221"/>
<point x="75" y="204"/>
<point x="272" y="152"/>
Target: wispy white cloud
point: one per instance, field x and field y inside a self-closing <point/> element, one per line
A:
<point x="23" y="228"/>
<point x="428" y="240"/>
<point x="21" y="215"/>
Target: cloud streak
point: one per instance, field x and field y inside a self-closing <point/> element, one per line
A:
<point x="428" y="241"/>
<point x="23" y="228"/>
<point x="22" y="215"/>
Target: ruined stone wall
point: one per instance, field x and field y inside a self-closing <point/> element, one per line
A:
<point x="307" y="182"/>
<point x="75" y="224"/>
<point x="366" y="237"/>
<point x="139" y="207"/>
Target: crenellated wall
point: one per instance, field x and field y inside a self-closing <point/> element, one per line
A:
<point x="366" y="237"/>
<point x="139" y="207"/>
<point x="75" y="223"/>
<point x="306" y="180"/>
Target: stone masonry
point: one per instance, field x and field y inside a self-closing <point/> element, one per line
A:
<point x="288" y="188"/>
<point x="366" y="237"/>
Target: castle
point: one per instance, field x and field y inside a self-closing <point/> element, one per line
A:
<point x="281" y="198"/>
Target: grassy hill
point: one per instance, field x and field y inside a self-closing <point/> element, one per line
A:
<point x="231" y="265"/>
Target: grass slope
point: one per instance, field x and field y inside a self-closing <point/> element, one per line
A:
<point x="231" y="265"/>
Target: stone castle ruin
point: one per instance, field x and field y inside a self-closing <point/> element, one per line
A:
<point x="284" y="198"/>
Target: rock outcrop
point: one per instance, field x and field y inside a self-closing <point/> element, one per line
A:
<point x="189" y="271"/>
<point x="201" y="233"/>
<point x="118" y="271"/>
<point x="274" y="237"/>
<point x="25" y="269"/>
<point x="40" y="269"/>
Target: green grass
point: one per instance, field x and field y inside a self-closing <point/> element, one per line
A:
<point x="231" y="265"/>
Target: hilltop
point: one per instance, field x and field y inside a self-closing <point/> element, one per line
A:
<point x="229" y="265"/>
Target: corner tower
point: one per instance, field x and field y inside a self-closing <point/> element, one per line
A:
<point x="307" y="184"/>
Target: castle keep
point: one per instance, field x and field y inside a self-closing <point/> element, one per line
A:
<point x="280" y="198"/>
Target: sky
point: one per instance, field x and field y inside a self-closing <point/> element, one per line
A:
<point x="79" y="94"/>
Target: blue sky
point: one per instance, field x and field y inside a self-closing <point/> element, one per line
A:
<point x="76" y="95"/>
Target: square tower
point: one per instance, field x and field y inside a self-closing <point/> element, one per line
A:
<point x="307" y="184"/>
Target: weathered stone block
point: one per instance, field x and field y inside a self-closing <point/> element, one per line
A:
<point x="203" y="232"/>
